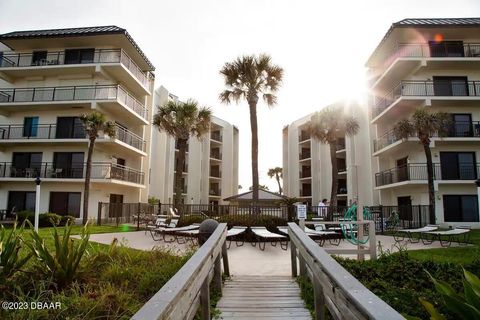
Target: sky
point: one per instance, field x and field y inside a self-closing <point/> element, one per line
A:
<point x="321" y="45"/>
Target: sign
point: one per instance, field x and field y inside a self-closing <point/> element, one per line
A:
<point x="301" y="211"/>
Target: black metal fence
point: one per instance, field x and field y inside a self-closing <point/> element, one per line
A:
<point x="385" y="217"/>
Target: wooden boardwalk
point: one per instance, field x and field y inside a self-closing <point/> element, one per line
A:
<point x="262" y="297"/>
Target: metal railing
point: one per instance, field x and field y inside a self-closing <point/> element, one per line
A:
<point x="52" y="131"/>
<point x="216" y="154"/>
<point x="418" y="171"/>
<point x="189" y="289"/>
<point x="457" y="129"/>
<point x="216" y="136"/>
<point x="334" y="288"/>
<point x="425" y="89"/>
<point x="305" y="173"/>
<point x="304" y="155"/>
<point x="12" y="60"/>
<point x="303" y="136"/>
<point x="100" y="170"/>
<point x="73" y="93"/>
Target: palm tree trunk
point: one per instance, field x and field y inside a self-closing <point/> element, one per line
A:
<point x="252" y="103"/>
<point x="333" y="159"/>
<point x="277" y="176"/>
<point x="88" y="173"/>
<point x="431" y="188"/>
<point x="182" y="149"/>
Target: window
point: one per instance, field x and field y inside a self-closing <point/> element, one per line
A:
<point x="65" y="203"/>
<point x="77" y="56"/>
<point x="39" y="58"/>
<point x="69" y="127"/>
<point x="450" y="86"/>
<point x="21" y="200"/>
<point x="26" y="164"/>
<point x="30" y="126"/>
<point x="446" y="49"/>
<point x="68" y="164"/>
<point x="458" y="165"/>
<point x="460" y="208"/>
<point x="461" y="126"/>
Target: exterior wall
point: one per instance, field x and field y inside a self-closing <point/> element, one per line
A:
<point x="106" y="149"/>
<point x="199" y="160"/>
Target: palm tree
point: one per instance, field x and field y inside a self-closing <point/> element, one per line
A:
<point x="182" y="120"/>
<point x="327" y="125"/>
<point x="276" y="172"/>
<point x="424" y="125"/>
<point x="94" y="123"/>
<point x="246" y="78"/>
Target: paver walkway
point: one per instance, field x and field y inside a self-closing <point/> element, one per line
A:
<point x="262" y="297"/>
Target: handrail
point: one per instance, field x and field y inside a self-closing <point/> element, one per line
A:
<point x="334" y="287"/>
<point x="181" y="296"/>
<point x="53" y="58"/>
<point x="73" y="93"/>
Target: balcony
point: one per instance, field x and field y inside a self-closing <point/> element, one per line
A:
<point x="216" y="136"/>
<point x="54" y="171"/>
<point x="407" y="56"/>
<point x="18" y="133"/>
<point x="215" y="192"/>
<point x="112" y="97"/>
<point x="304" y="136"/>
<point x="417" y="172"/>
<point x="418" y="90"/>
<point x="306" y="173"/>
<point x="459" y="130"/>
<point x="215" y="154"/>
<point x="114" y="61"/>
<point x="215" y="173"/>
<point x="305" y="154"/>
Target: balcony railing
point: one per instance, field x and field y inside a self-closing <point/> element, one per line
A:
<point x="458" y="129"/>
<point x="342" y="190"/>
<point x="215" y="173"/>
<point x="216" y="136"/>
<point x="100" y="170"/>
<point x="215" y="155"/>
<point x="215" y="192"/>
<point x="305" y="173"/>
<point x="418" y="171"/>
<point x="426" y="89"/>
<point x="49" y="131"/>
<point x="303" y="136"/>
<point x="73" y="93"/>
<point x="10" y="60"/>
<point x="424" y="50"/>
<point x="305" y="155"/>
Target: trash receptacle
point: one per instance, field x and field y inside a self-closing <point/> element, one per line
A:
<point x="207" y="227"/>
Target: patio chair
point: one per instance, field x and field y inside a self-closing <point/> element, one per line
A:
<point x="262" y="235"/>
<point x="152" y="223"/>
<point x="182" y="236"/>
<point x="319" y="236"/>
<point x="460" y="234"/>
<point x="232" y="233"/>
<point x="158" y="234"/>
<point x="397" y="236"/>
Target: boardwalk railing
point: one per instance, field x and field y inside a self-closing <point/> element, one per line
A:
<point x="334" y="288"/>
<point x="189" y="288"/>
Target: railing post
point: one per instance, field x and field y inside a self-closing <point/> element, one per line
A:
<point x="217" y="275"/>
<point x="303" y="266"/>
<point x="205" y="300"/>
<point x="319" y="299"/>
<point x="226" y="267"/>
<point x="138" y="217"/>
<point x="99" y="214"/>
<point x="372" y="240"/>
<point x="293" y="256"/>
<point x="382" y="220"/>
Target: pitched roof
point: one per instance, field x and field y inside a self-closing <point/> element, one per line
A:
<point x="262" y="195"/>
<point x="428" y="23"/>
<point x="74" y="32"/>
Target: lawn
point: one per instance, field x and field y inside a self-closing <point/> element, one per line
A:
<point x="112" y="281"/>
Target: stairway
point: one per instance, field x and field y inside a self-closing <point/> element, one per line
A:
<point x="262" y="297"/>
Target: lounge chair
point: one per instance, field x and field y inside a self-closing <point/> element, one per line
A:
<point x="233" y="232"/>
<point x="160" y="221"/>
<point x="262" y="235"/>
<point x="319" y="236"/>
<point x="158" y="234"/>
<point x="410" y="232"/>
<point x="182" y="236"/>
<point x="459" y="234"/>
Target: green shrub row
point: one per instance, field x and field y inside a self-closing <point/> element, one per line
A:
<point x="46" y="219"/>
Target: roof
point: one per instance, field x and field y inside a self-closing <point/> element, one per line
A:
<point x="428" y="23"/>
<point x="74" y="32"/>
<point x="262" y="195"/>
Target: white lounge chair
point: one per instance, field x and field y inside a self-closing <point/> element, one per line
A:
<point x="233" y="232"/>
<point x="171" y="228"/>
<point x="262" y="235"/>
<point x="460" y="234"/>
<point x="410" y="232"/>
<point x="319" y="236"/>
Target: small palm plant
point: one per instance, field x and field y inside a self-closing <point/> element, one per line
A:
<point x="326" y="126"/>
<point x="246" y="78"/>
<point x="276" y="172"/>
<point x="423" y="125"/>
<point x="10" y="245"/>
<point x="94" y="123"/>
<point x="62" y="264"/>
<point x="182" y="120"/>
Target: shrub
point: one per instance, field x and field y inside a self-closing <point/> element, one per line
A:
<point x="64" y="220"/>
<point x="10" y="245"/>
<point x="188" y="219"/>
<point x="46" y="219"/>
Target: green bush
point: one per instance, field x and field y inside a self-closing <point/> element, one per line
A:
<point x="46" y="219"/>
<point x="188" y="219"/>
<point x="64" y="220"/>
<point x="10" y="245"/>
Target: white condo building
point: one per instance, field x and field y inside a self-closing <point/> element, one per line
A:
<point x="48" y="79"/>
<point x="211" y="171"/>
